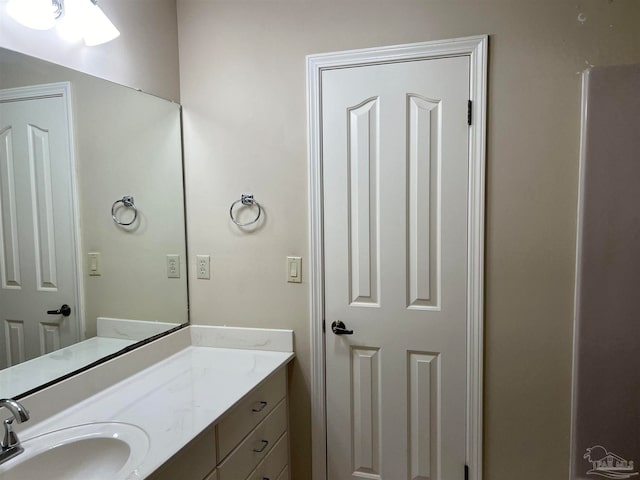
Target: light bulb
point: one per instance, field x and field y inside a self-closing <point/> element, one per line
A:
<point x="35" y="14"/>
<point x="97" y="27"/>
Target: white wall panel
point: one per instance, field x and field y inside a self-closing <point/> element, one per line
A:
<point x="14" y="338"/>
<point x="9" y="251"/>
<point x="42" y="204"/>
<point x="363" y="157"/>
<point x="423" y="212"/>
<point x="424" y="416"/>
<point x="365" y="395"/>
<point x="49" y="337"/>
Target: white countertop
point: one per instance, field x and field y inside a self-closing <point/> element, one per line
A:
<point x="174" y="400"/>
<point x="27" y="375"/>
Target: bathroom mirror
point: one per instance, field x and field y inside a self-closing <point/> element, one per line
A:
<point x="92" y="232"/>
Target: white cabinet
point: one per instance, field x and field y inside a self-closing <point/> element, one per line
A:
<point x="249" y="442"/>
<point x="274" y="463"/>
<point x="255" y="407"/>
<point x="256" y="446"/>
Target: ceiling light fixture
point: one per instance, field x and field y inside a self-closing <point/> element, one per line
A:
<point x="76" y="19"/>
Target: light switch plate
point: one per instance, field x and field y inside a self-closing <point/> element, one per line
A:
<point x="94" y="260"/>
<point x="203" y="267"/>
<point x="173" y="266"/>
<point x="294" y="269"/>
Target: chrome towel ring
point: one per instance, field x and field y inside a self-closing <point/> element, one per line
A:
<point x="126" y="201"/>
<point x="247" y="200"/>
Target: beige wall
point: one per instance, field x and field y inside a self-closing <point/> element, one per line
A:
<point x="242" y="74"/>
<point x="126" y="143"/>
<point x="144" y="56"/>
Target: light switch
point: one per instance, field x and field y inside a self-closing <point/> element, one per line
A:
<point x="294" y="269"/>
<point x="173" y="266"/>
<point x="95" y="264"/>
<point x="203" y="267"/>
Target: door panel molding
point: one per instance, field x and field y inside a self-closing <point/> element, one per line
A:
<point x="423" y="423"/>
<point x="363" y="170"/>
<point x="424" y="158"/>
<point x="365" y="385"/>
<point x="476" y="48"/>
<point x="50" y="340"/>
<point x="42" y="205"/>
<point x="14" y="341"/>
<point x="9" y="244"/>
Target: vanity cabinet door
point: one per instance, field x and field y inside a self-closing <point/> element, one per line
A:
<point x="249" y="412"/>
<point x="256" y="446"/>
<point x="193" y="462"/>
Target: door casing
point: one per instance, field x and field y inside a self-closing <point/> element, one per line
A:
<point x="476" y="48"/>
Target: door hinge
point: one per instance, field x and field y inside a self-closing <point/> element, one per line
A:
<point x="469" y="112"/>
<point x="466" y="472"/>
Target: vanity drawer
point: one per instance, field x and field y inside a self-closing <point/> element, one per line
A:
<point x="274" y="462"/>
<point x="248" y="413"/>
<point x="256" y="446"/>
<point x="285" y="474"/>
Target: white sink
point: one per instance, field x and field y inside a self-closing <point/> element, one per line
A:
<point x="97" y="451"/>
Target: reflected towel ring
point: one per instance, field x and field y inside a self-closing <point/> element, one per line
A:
<point x="247" y="200"/>
<point x="126" y="201"/>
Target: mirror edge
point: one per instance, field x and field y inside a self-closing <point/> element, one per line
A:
<point x="100" y="361"/>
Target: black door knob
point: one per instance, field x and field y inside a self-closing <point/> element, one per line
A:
<point x="339" y="328"/>
<point x="65" y="311"/>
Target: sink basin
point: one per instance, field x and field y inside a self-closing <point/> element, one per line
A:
<point x="93" y="451"/>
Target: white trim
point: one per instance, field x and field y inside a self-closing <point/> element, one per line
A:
<point x="576" y="292"/>
<point x="477" y="49"/>
<point x="75" y="202"/>
<point x="62" y="89"/>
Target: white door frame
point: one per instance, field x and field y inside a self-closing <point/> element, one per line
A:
<point x="477" y="49"/>
<point x="62" y="89"/>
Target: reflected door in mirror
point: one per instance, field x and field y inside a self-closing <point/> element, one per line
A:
<point x="37" y="253"/>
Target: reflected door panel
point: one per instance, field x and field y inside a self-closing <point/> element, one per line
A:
<point x="38" y="264"/>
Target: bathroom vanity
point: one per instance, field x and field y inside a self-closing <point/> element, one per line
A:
<point x="214" y="409"/>
<point x="250" y="441"/>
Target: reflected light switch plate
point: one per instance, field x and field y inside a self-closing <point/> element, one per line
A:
<point x="294" y="269"/>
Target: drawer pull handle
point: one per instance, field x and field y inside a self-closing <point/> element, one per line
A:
<point x="265" y="443"/>
<point x="260" y="408"/>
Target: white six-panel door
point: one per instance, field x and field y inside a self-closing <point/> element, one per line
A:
<point x="37" y="232"/>
<point x="395" y="159"/>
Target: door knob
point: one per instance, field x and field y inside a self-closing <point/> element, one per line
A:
<point x="65" y="311"/>
<point x="339" y="328"/>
